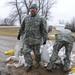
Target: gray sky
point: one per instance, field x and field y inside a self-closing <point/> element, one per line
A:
<point x="4" y="9"/>
<point x="62" y="10"/>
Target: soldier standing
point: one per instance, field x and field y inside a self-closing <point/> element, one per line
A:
<point x="35" y="28"/>
<point x="62" y="39"/>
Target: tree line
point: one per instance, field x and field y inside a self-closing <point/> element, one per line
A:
<point x="20" y="8"/>
<point x="71" y="25"/>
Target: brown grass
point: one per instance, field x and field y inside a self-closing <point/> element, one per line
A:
<point x="51" y="34"/>
<point x="9" y="31"/>
<point x="13" y="31"/>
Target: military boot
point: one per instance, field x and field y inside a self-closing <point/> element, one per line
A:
<point x="49" y="67"/>
<point x="28" y="68"/>
<point x="64" y="68"/>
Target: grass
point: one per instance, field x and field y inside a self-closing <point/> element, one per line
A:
<point x="13" y="31"/>
<point x="9" y="31"/>
<point x="51" y="34"/>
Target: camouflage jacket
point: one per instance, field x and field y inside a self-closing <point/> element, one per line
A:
<point x="34" y="28"/>
<point x="64" y="37"/>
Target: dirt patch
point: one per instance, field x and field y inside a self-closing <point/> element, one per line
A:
<point x="35" y="71"/>
<point x="41" y="70"/>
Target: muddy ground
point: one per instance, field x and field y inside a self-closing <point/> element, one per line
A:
<point x="9" y="42"/>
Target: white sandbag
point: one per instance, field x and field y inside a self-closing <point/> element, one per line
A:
<point x="9" y="65"/>
<point x="45" y="55"/>
<point x="46" y="52"/>
<point x="21" y="62"/>
<point x="50" y="49"/>
<point x="16" y="52"/>
<point x="71" y="74"/>
<point x="12" y="58"/>
<point x="41" y="48"/>
<point x="61" y="53"/>
<point x="17" y="65"/>
<point x="18" y="48"/>
<point x="49" y="43"/>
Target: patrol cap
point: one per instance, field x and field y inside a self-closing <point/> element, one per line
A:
<point x="33" y="6"/>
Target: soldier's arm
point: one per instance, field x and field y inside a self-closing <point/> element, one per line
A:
<point x="44" y="31"/>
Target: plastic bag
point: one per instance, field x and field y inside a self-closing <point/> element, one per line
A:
<point x="12" y="58"/>
<point x="45" y="55"/>
<point x="71" y="74"/>
<point x="50" y="49"/>
<point x="18" y="48"/>
<point x="21" y="62"/>
<point x="11" y="51"/>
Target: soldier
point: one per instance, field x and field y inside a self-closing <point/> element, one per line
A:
<point x="34" y="27"/>
<point x="62" y="39"/>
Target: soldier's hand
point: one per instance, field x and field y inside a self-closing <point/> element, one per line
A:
<point x="44" y="43"/>
<point x="18" y="37"/>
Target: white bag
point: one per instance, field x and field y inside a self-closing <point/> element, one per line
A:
<point x="71" y="74"/>
<point x="45" y="55"/>
<point x="18" y="48"/>
<point x="12" y="58"/>
<point x="21" y="62"/>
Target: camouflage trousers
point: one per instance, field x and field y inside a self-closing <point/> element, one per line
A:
<point x="27" y="55"/>
<point x="57" y="46"/>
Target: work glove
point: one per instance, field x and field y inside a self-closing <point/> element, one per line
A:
<point x="18" y="37"/>
<point x="44" y="42"/>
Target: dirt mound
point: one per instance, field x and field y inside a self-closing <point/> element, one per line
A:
<point x="41" y="70"/>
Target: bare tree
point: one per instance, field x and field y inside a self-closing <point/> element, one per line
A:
<point x="71" y="25"/>
<point x="21" y="8"/>
<point x="6" y="22"/>
<point x="17" y="12"/>
<point x="50" y="28"/>
<point x="1" y="21"/>
<point x="44" y="7"/>
<point x="27" y="4"/>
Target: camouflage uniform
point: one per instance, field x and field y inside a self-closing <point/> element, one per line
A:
<point x="62" y="39"/>
<point x="35" y="30"/>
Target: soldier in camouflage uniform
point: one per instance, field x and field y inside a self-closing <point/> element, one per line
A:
<point x="35" y="30"/>
<point x="66" y="40"/>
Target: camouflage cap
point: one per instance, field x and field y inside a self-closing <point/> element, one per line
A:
<point x="33" y="6"/>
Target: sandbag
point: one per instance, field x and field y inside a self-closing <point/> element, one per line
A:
<point x="45" y="55"/>
<point x="18" y="48"/>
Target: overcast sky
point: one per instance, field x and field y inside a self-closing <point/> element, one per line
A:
<point x="62" y="10"/>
